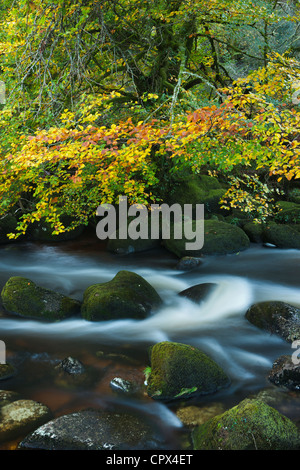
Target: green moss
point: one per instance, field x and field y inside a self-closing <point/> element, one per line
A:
<point x="23" y="297"/>
<point x="251" y="425"/>
<point x="180" y="370"/>
<point x="289" y="212"/>
<point x="254" y="231"/>
<point x="283" y="236"/>
<point x="219" y="238"/>
<point x="127" y="295"/>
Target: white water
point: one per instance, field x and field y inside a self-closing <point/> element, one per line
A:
<point x="217" y="326"/>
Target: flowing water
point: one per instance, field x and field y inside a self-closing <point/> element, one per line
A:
<point x="217" y="326"/>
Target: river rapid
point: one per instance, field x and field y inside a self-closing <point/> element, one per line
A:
<point x="216" y="326"/>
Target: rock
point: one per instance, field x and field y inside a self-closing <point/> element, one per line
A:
<point x="220" y="238"/>
<point x="251" y="425"/>
<point x="127" y="295"/>
<point x="71" y="373"/>
<point x="7" y="396"/>
<point x="200" y="189"/>
<point x="285" y="373"/>
<point x="254" y="232"/>
<point x="23" y="297"/>
<point x="6" y="371"/>
<point x="180" y="371"/>
<point x="128" y="246"/>
<point x="283" y="236"/>
<point x="276" y="317"/>
<point x="123" y="386"/>
<point x="199" y="292"/>
<point x="289" y="213"/>
<point x="187" y="263"/>
<point x="94" y="430"/>
<point x="192" y="416"/>
<point x="20" y="417"/>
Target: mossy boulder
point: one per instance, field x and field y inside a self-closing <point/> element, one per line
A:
<point x="127" y="295"/>
<point x="276" y="317"/>
<point x="283" y="236"/>
<point x="251" y="425"/>
<point x="201" y="189"/>
<point x="220" y="238"/>
<point x="288" y="212"/>
<point x="7" y="371"/>
<point x="23" y="297"/>
<point x="254" y="231"/>
<point x="180" y="371"/>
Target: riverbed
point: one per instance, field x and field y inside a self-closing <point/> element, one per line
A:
<point x="217" y="326"/>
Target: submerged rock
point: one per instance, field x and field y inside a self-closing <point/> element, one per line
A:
<point x="94" y="430"/>
<point x="127" y="295"/>
<point x="71" y="373"/>
<point x="7" y="371"/>
<point x="220" y="238"/>
<point x="188" y="263"/>
<point x="192" y="416"/>
<point x="21" y="417"/>
<point x="285" y="373"/>
<point x="181" y="371"/>
<point x="23" y="297"/>
<point x="251" y="425"/>
<point x="199" y="292"/>
<point x="276" y="317"/>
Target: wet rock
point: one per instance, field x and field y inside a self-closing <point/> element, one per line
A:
<point x="192" y="416"/>
<point x="285" y="373"/>
<point x="199" y="292"/>
<point x="276" y="317"/>
<point x="71" y="373"/>
<point x="123" y="386"/>
<point x="23" y="297"/>
<point x="282" y="236"/>
<point x="7" y="371"/>
<point x="220" y="238"/>
<point x="127" y="295"/>
<point x="254" y="231"/>
<point x="181" y="371"/>
<point x="20" y="417"/>
<point x="94" y="430"/>
<point x="187" y="263"/>
<point x="251" y="425"/>
<point x="7" y="396"/>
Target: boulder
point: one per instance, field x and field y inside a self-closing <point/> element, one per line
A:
<point x="220" y="238"/>
<point x="282" y="236"/>
<point x="187" y="263"/>
<point x="276" y="317"/>
<point x="251" y="425"/>
<point x="127" y="295"/>
<point x="181" y="371"/>
<point x="23" y="297"/>
<point x="21" y="417"/>
<point x="285" y="373"/>
<point x="94" y="430"/>
<point x="199" y="292"/>
<point x="254" y="231"/>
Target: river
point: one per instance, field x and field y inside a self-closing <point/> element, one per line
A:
<point x="217" y="326"/>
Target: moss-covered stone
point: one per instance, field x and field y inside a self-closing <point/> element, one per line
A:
<point x="23" y="297"/>
<point x="201" y="189"/>
<point x="251" y="425"/>
<point x="289" y="212"/>
<point x="127" y="295"/>
<point x="283" y="236"/>
<point x="7" y="371"/>
<point x="220" y="238"/>
<point x="180" y="370"/>
<point x="285" y="373"/>
<point x="254" y="231"/>
<point x="276" y="317"/>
